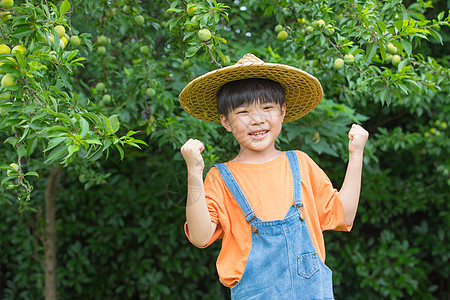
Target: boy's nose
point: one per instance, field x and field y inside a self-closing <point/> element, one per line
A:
<point x="257" y="118"/>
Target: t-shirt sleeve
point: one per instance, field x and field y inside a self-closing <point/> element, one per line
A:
<point x="328" y="204"/>
<point x="213" y="197"/>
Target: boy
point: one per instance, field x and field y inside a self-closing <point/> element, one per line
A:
<point x="268" y="207"/>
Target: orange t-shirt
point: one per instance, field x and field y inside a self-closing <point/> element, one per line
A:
<point x="269" y="189"/>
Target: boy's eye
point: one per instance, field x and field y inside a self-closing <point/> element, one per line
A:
<point x="242" y="112"/>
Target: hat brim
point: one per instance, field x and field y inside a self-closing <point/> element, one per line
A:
<point x="302" y="91"/>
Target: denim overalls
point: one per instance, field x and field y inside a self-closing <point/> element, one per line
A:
<point x="282" y="263"/>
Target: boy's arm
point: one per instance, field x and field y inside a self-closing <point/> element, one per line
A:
<point x="201" y="228"/>
<point x="350" y="190"/>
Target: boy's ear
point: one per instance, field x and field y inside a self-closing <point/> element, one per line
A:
<point x="283" y="110"/>
<point x="225" y="123"/>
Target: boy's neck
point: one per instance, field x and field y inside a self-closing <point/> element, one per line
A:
<point x="257" y="157"/>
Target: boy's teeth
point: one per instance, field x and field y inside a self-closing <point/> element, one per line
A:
<point x="258" y="133"/>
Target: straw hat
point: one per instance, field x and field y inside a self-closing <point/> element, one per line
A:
<point x="302" y="91"/>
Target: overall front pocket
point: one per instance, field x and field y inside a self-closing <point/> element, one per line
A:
<point x="307" y="264"/>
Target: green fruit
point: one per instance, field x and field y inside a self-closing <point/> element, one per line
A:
<point x="338" y="63"/>
<point x="18" y="48"/>
<point x="349" y="59"/>
<point x="388" y="58"/>
<point x="204" y="34"/>
<point x="110" y="12"/>
<point x="75" y="41"/>
<point x="126" y="9"/>
<point x="309" y="29"/>
<point x="191" y="10"/>
<point x="282" y="35"/>
<point x="278" y="28"/>
<point x="101" y="50"/>
<point x="144" y="49"/>
<point x="106" y="99"/>
<point x="150" y="92"/>
<point x="338" y="17"/>
<point x="100" y="87"/>
<point x="302" y="21"/>
<point x="396" y="59"/>
<point x="139" y="20"/>
<point x="8" y="80"/>
<point x="4" y="49"/>
<point x="226" y="60"/>
<point x="443" y="125"/>
<point x="102" y="40"/>
<point x="391" y="48"/>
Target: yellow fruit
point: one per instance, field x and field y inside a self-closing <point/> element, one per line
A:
<point x="60" y="30"/>
<point x="18" y="48"/>
<point x="4" y="49"/>
<point x="5" y="15"/>
<point x="64" y="40"/>
<point x="8" y="80"/>
<point x="282" y="35"/>
<point x="7" y="3"/>
<point x="319" y="23"/>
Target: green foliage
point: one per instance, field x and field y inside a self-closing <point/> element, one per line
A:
<point x="120" y="224"/>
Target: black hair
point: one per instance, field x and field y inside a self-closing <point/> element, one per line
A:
<point x="246" y="91"/>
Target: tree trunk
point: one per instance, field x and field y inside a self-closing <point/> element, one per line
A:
<point x="50" y="235"/>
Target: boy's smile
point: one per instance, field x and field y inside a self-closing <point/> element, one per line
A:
<point x="256" y="127"/>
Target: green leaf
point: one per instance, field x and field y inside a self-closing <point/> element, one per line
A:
<point x="114" y="121"/>
<point x="57" y="153"/>
<point x="55" y="142"/>
<point x="84" y="127"/>
<point x="64" y="8"/>
<point x="406" y="46"/>
<point x="120" y="151"/>
<point x="32" y="174"/>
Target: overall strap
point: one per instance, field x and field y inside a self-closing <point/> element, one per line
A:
<point x="296" y="177"/>
<point x="236" y="191"/>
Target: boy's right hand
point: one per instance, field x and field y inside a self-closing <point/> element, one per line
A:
<point x="191" y="151"/>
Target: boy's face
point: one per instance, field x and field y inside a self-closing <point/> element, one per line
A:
<point x="255" y="126"/>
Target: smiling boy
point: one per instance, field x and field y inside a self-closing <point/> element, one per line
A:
<point x="269" y="207"/>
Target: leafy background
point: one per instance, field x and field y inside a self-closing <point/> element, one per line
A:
<point x="120" y="222"/>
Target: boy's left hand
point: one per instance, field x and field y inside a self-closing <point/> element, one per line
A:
<point x="358" y="137"/>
